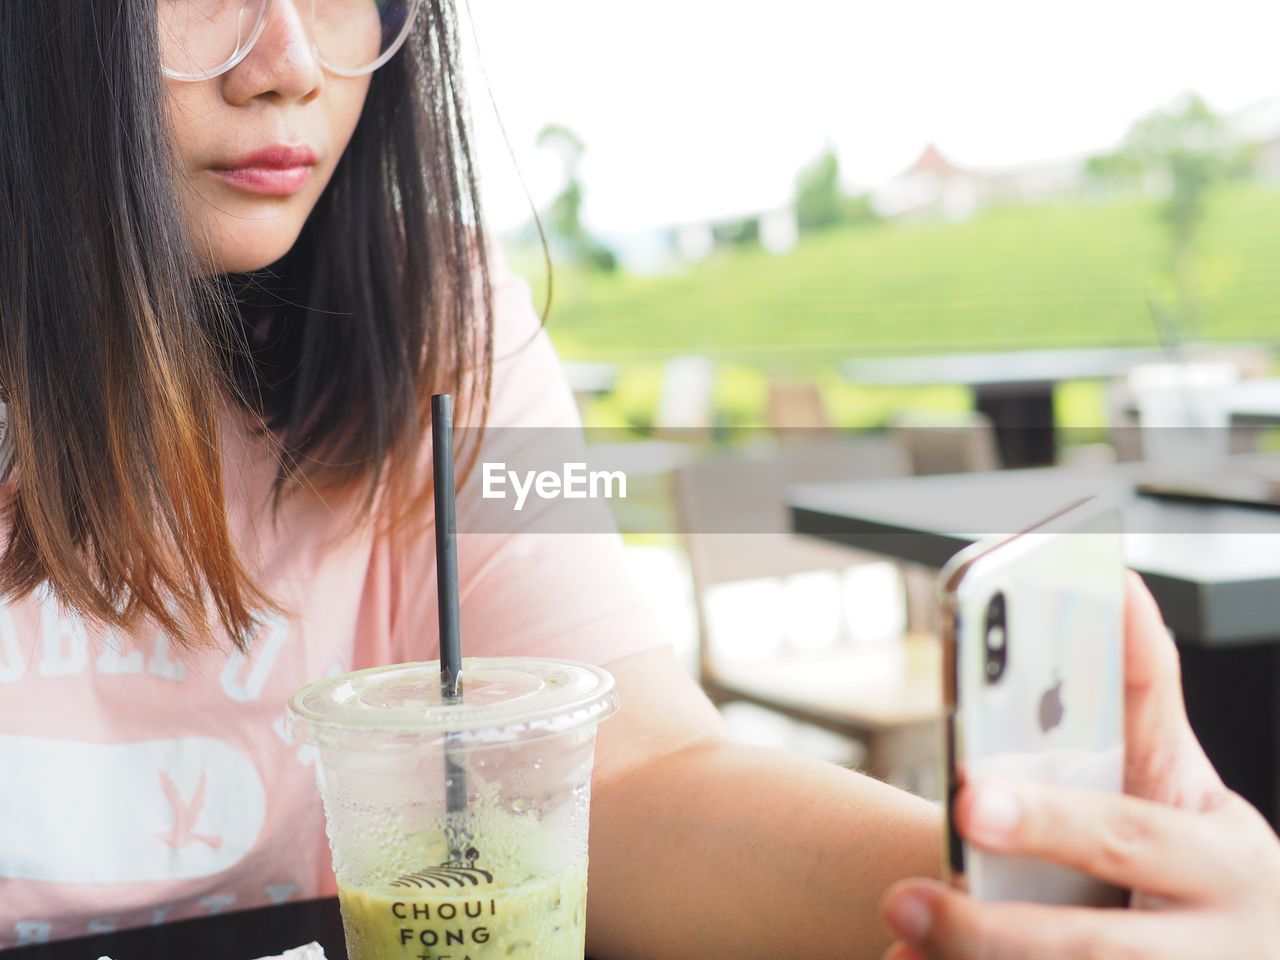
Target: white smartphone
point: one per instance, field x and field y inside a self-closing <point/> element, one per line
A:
<point x="1033" y="664"/>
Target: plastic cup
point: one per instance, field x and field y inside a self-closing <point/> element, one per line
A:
<point x="506" y="876"/>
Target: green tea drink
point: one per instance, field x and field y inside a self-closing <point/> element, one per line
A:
<point x="419" y="878"/>
<point x="543" y="919"/>
<point x="516" y="891"/>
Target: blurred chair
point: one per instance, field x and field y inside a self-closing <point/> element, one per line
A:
<point x="681" y="428"/>
<point x="1085" y="456"/>
<point x="1123" y="428"/>
<point x="936" y="443"/>
<point x="947" y="443"/>
<point x="796" y="409"/>
<point x="882" y="694"/>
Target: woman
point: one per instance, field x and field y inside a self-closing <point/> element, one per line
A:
<point x="161" y="292"/>
<point x="216" y="363"/>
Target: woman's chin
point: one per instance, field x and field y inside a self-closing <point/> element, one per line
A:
<point x="255" y="252"/>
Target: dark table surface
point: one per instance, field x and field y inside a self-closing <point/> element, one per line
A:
<point x="1213" y="569"/>
<point x="1013" y="388"/>
<point x="239" y="935"/>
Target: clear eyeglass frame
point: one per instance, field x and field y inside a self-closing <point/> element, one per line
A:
<point x="193" y="77"/>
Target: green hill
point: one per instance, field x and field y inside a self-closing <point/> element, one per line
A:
<point x="1050" y="275"/>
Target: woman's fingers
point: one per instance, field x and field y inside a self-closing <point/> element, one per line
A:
<point x="1155" y="717"/>
<point x="941" y="924"/>
<point x="1151" y="659"/>
<point x="1163" y="759"/>
<point x="1122" y="840"/>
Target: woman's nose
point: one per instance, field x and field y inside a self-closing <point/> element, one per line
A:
<point x="282" y="63"/>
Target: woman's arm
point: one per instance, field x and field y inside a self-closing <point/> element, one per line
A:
<point x="702" y="848"/>
<point x="699" y="848"/>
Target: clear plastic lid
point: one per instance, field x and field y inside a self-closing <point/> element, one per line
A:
<point x="503" y="698"/>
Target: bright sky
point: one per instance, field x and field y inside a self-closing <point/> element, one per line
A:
<point x="696" y="109"/>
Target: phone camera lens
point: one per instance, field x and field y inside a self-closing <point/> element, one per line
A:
<point x="996" y="636"/>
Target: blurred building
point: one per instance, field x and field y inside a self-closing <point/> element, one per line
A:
<point x="935" y="187"/>
<point x="664" y="249"/>
<point x="1061" y="178"/>
<point x="932" y="186"/>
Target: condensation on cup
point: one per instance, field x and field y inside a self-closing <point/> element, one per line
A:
<point x="499" y="871"/>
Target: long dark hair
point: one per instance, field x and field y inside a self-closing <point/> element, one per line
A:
<point x="116" y="353"/>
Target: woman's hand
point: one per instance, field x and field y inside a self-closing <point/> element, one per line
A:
<point x="1203" y="864"/>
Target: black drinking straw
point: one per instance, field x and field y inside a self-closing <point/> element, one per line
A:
<point x="447" y="594"/>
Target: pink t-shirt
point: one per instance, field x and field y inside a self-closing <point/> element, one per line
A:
<point x="138" y="786"/>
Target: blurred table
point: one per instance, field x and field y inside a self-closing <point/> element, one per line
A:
<point x="589" y="379"/>
<point x="589" y="382"/>
<point x="1013" y="388"/>
<point x="1214" y="571"/>
<point x="1249" y="402"/>
<point x="1255" y="402"/>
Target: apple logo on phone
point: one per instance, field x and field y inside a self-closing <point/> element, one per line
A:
<point x="1051" y="710"/>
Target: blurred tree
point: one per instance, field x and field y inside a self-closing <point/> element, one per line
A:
<point x="820" y="202"/>
<point x="858" y="209"/>
<point x="1180" y="152"/>
<point x="737" y="233"/>
<point x="564" y="216"/>
<point x="1120" y="169"/>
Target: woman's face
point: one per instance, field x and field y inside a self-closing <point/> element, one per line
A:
<point x="277" y="96"/>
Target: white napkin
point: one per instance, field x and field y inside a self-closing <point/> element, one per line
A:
<point x="309" y="951"/>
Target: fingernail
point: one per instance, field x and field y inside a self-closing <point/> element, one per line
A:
<point x="910" y="916"/>
<point x="994" y="814"/>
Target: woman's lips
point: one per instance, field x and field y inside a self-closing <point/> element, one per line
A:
<point x="269" y="181"/>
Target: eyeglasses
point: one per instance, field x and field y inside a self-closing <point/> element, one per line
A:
<point x="200" y="39"/>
